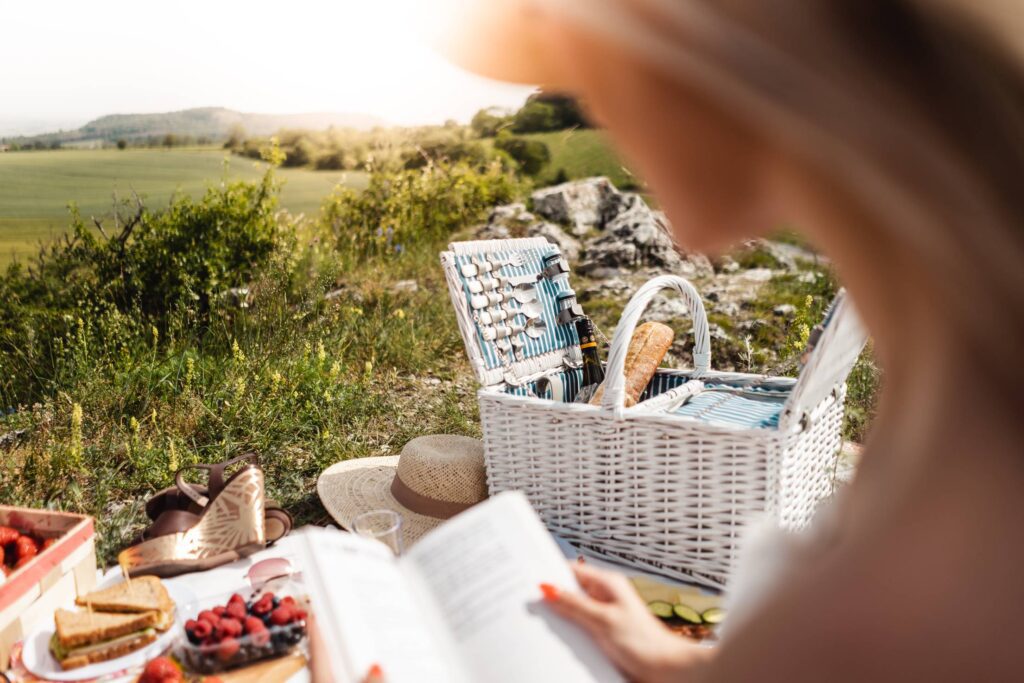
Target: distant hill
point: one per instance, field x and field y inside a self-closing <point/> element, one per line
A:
<point x="211" y="123"/>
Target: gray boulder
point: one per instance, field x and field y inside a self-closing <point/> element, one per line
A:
<point x="636" y="237"/>
<point x="578" y="204"/>
<point x="567" y="244"/>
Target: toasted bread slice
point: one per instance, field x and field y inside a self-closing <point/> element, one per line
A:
<point x="75" y="629"/>
<point x="141" y="594"/>
<point x="106" y="651"/>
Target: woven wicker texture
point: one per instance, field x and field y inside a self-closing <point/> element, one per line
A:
<point x="666" y="493"/>
<point x="442" y="467"/>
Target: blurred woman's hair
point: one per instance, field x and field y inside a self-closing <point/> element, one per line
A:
<point x="916" y="107"/>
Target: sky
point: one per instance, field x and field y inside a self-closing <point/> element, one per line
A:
<point x="65" y="62"/>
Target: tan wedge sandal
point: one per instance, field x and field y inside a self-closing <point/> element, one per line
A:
<point x="177" y="507"/>
<point x="230" y="526"/>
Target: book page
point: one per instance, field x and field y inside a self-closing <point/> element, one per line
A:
<point x="482" y="570"/>
<point x="368" y="612"/>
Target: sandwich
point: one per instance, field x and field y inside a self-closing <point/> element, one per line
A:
<point x="117" y="621"/>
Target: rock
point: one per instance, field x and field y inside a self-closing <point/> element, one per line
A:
<point x="808" y="277"/>
<point x="785" y="310"/>
<point x="405" y="286"/>
<point x="611" y="286"/>
<point x="506" y="221"/>
<point x="11" y="439"/>
<point x="578" y="204"/>
<point x="569" y="245"/>
<point x="637" y="237"/>
<point x="757" y="275"/>
<point x="667" y="308"/>
<point x="729" y="308"/>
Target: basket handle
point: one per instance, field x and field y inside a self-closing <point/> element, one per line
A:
<point x="615" y="378"/>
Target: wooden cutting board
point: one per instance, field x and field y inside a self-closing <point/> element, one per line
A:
<point x="271" y="671"/>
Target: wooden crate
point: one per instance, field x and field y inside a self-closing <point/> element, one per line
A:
<point x="66" y="569"/>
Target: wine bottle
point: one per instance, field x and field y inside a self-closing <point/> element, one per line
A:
<point x="593" y="372"/>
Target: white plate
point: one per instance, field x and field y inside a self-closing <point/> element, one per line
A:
<point x="37" y="657"/>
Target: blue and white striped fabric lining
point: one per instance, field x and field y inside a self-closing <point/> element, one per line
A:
<point x="736" y="410"/>
<point x="557" y="336"/>
<point x="571" y="380"/>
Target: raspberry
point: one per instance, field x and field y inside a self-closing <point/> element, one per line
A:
<point x="229" y="628"/>
<point x="253" y="624"/>
<point x="300" y="615"/>
<point x="288" y="600"/>
<point x="202" y="630"/>
<point x="208" y="616"/>
<point x="8" y="535"/>
<point x="236" y="610"/>
<point x="219" y="610"/>
<point x="267" y="596"/>
<point x="282" y="615"/>
<point x="235" y="597"/>
<point x="227" y="649"/>
<point x="160" y="669"/>
<point x="263" y="606"/>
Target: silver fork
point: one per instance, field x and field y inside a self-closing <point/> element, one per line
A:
<point x="515" y="260"/>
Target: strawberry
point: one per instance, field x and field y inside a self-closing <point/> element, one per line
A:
<point x="263" y="606"/>
<point x="23" y="561"/>
<point x="8" y="535"/>
<point x="219" y="610"/>
<point x="160" y="669"/>
<point x="227" y="649"/>
<point x="235" y="597"/>
<point x="48" y="542"/>
<point x="288" y="600"/>
<point x="26" y="546"/>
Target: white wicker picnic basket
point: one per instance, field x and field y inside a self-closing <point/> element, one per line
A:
<point x="668" y="493"/>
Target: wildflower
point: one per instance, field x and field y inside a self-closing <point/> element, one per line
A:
<point x="326" y="434"/>
<point x="172" y="457"/>
<point x="399" y="248"/>
<point x="75" y="452"/>
<point x="133" y="425"/>
<point x="190" y="371"/>
<point x="236" y="352"/>
<point x="400" y="314"/>
<point x="335" y="370"/>
<point x="275" y="381"/>
<point x="368" y="367"/>
<point x="156" y="336"/>
<point x="321" y="352"/>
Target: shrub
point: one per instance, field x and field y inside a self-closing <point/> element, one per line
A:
<point x="531" y="155"/>
<point x="410" y="208"/>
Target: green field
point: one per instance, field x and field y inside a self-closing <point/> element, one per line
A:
<point x="584" y="153"/>
<point x="36" y="187"/>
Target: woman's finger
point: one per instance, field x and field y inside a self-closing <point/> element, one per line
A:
<point x="599" y="584"/>
<point x="579" y="608"/>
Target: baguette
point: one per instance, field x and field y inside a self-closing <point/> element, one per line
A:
<point x="647" y="348"/>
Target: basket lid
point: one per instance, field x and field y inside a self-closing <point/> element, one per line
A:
<point x="521" y="261"/>
<point x="832" y="352"/>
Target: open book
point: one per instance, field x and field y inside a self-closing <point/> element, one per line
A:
<point x="462" y="605"/>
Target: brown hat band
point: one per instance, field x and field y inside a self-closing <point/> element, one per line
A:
<point x="425" y="505"/>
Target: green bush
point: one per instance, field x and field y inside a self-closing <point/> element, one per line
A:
<point x="412" y="208"/>
<point x="139" y="270"/>
<point x="531" y="155"/>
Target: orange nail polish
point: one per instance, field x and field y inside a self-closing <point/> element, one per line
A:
<point x="549" y="592"/>
<point x="375" y="671"/>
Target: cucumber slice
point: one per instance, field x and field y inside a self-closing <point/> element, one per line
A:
<point x="714" y="615"/>
<point x="660" y="609"/>
<point x="687" y="614"/>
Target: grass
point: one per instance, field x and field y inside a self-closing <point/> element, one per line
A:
<point x="584" y="153"/>
<point x="36" y="187"/>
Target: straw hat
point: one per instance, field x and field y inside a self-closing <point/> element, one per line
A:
<point x="434" y="478"/>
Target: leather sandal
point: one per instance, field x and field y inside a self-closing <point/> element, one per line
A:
<point x="177" y="508"/>
<point x="229" y="527"/>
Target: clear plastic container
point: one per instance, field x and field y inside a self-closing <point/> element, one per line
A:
<point x="213" y="654"/>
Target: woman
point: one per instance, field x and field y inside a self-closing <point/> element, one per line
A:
<point x="892" y="134"/>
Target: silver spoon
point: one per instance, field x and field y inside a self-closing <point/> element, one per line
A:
<point x="529" y="310"/>
<point x="534" y="328"/>
<point x="524" y="293"/>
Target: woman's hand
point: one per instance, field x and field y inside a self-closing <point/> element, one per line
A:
<point x="612" y="612"/>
